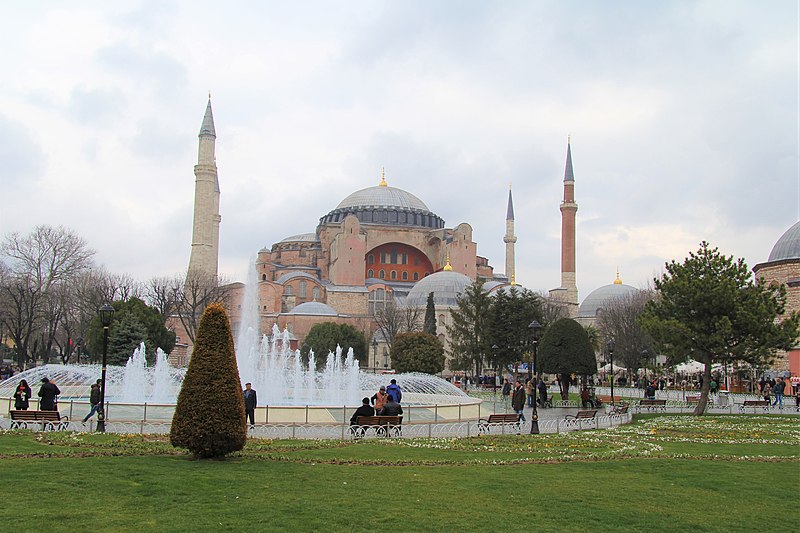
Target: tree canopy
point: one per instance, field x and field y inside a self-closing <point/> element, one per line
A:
<point x="429" y="326"/>
<point x="417" y="352"/>
<point x="710" y="309"/>
<point x="511" y="313"/>
<point x="470" y="338"/>
<point x="325" y="336"/>
<point x="619" y="320"/>
<point x="565" y="349"/>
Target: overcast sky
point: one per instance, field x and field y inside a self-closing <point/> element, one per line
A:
<point x="683" y="118"/>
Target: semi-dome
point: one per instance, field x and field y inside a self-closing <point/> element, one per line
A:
<point x="384" y="205"/>
<point x="302" y="237"/>
<point x="313" y="308"/>
<point x="600" y="297"/>
<point x="788" y="246"/>
<point x="446" y="287"/>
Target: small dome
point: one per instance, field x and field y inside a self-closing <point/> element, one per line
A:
<point x="788" y="246"/>
<point x="380" y="196"/>
<point x="302" y="237"/>
<point x="313" y="308"/>
<point x="445" y="286"/>
<point x="601" y="296"/>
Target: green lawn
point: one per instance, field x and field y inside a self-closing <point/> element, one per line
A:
<point x="662" y="473"/>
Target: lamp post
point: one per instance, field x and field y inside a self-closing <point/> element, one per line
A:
<point x="534" y="327"/>
<point x="495" y="349"/>
<point x="610" y="348"/>
<point x="375" y="355"/>
<point x="106" y="314"/>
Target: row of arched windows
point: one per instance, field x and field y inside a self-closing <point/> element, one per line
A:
<point x="393" y="274"/>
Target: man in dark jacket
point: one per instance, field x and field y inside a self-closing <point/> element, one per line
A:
<point x="94" y="400"/>
<point x="250" y="403"/>
<point x="365" y="410"/>
<point x="48" y="393"/>
<point x="392" y="408"/>
<point x="518" y="400"/>
<point x="542" y="393"/>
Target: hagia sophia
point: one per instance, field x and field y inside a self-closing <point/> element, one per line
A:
<point x="383" y="244"/>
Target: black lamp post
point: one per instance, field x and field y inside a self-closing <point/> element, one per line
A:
<point x="610" y="347"/>
<point x="375" y="355"/>
<point x="106" y="314"/>
<point x="495" y="349"/>
<point x="534" y="327"/>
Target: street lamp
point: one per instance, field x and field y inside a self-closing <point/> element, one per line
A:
<point x="106" y="314"/>
<point x="610" y="348"/>
<point x="375" y="355"/>
<point x="534" y="327"/>
<point x="495" y="349"/>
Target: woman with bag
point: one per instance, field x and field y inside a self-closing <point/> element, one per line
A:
<point x="22" y="395"/>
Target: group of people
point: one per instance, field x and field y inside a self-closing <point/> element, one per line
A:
<point x="385" y="402"/>
<point x="519" y="395"/>
<point x="6" y="372"/>
<point x="47" y="394"/>
<point x="772" y="387"/>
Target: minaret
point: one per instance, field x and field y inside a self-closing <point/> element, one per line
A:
<point x="568" y="210"/>
<point x="205" y="231"/>
<point x="510" y="239"/>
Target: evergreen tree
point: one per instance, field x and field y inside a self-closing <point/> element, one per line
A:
<point x="209" y="416"/>
<point x="155" y="334"/>
<point x="429" y="326"/>
<point x="417" y="352"/>
<point x="710" y="309"/>
<point x="124" y="336"/>
<point x="511" y="312"/>
<point x="325" y="336"/>
<point x="565" y="349"/>
<point x="470" y="334"/>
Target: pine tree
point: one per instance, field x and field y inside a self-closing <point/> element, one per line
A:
<point x="124" y="337"/>
<point x="209" y="416"/>
<point x="564" y="349"/>
<point x="429" y="326"/>
<point x="470" y="338"/>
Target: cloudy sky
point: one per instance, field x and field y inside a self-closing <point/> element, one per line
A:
<point x="683" y="118"/>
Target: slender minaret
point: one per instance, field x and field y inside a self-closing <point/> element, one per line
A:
<point x="510" y="239"/>
<point x="568" y="210"/>
<point x="205" y="231"/>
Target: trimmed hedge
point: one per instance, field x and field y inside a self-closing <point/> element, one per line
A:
<point x="209" y="417"/>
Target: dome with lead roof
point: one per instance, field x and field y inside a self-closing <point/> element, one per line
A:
<point x="788" y="246"/>
<point x="446" y="287"/>
<point x="600" y="297"/>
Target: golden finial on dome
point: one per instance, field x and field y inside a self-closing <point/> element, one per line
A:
<point x="447" y="267"/>
<point x="383" y="179"/>
<point x="617" y="281"/>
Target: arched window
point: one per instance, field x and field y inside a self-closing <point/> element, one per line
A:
<point x="416" y="276"/>
<point x="405" y="275"/>
<point x="287" y="290"/>
<point x="394" y="274"/>
<point x="315" y="293"/>
<point x="370" y="273"/>
<point x="378" y="299"/>
<point x="382" y="274"/>
<point x="263" y="277"/>
<point x="303" y="285"/>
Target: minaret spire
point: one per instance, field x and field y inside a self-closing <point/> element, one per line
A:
<point x="569" y="289"/>
<point x="510" y="238"/>
<point x="205" y="229"/>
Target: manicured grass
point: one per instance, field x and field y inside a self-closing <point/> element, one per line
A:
<point x="663" y="473"/>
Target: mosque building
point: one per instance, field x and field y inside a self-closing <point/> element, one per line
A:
<point x="378" y="245"/>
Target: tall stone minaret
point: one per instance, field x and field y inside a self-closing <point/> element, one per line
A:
<point x="510" y="239"/>
<point x="568" y="209"/>
<point x="205" y="231"/>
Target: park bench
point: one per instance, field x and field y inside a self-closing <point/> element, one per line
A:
<point x="384" y="426"/>
<point x="501" y="419"/>
<point x="619" y="410"/>
<point x="48" y="420"/>
<point x="651" y="405"/>
<point x="755" y="404"/>
<point x="580" y="417"/>
<point x="692" y="399"/>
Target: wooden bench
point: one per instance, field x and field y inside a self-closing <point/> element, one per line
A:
<point x="384" y="426"/>
<point x="619" y="410"/>
<point x="755" y="404"/>
<point x="692" y="399"/>
<point x="580" y="417"/>
<point x="651" y="405"/>
<point x="501" y="419"/>
<point x="48" y="420"/>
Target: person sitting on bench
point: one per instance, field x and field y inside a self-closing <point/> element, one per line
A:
<point x="391" y="408"/>
<point x="365" y="410"/>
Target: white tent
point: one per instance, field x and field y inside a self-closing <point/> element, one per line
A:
<point x="607" y="368"/>
<point x="690" y="367"/>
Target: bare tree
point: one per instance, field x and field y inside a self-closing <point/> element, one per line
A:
<point x="394" y="319"/>
<point x="553" y="309"/>
<point x="194" y="292"/>
<point x="159" y="294"/>
<point x="619" y="320"/>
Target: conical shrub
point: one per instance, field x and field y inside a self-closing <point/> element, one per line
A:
<point x="209" y="417"/>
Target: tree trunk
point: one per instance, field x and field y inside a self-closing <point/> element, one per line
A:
<point x="701" y="405"/>
<point x="565" y="387"/>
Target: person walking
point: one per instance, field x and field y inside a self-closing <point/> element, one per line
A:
<point x="766" y="391"/>
<point x="379" y="399"/>
<point x="250" y="403"/>
<point x="94" y="400"/>
<point x="542" y="393"/>
<point x="48" y="392"/>
<point x="22" y="395"/>
<point x="506" y="392"/>
<point x="518" y="400"/>
<point x="778" y="389"/>
<point x="394" y="391"/>
<point x="529" y="388"/>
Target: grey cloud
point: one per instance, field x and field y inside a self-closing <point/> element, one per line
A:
<point x="146" y="66"/>
<point x="23" y="159"/>
<point x="96" y="106"/>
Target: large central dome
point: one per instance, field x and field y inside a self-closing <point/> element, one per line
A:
<point x="384" y="205"/>
<point x="380" y="196"/>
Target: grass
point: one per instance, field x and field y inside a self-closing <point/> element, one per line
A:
<point x="662" y="473"/>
